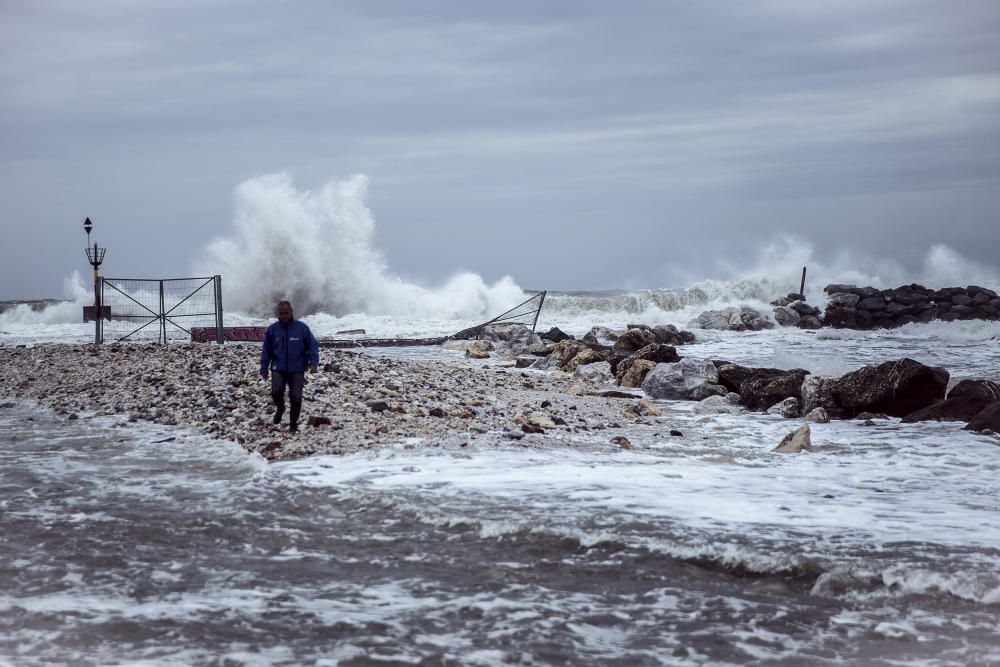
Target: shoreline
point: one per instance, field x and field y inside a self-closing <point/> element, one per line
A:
<point x="369" y="401"/>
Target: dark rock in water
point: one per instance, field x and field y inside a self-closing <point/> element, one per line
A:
<point x="966" y="400"/>
<point x="556" y="335"/>
<point x="803" y="308"/>
<point x="987" y="420"/>
<point x="677" y="434"/>
<point x="786" y="317"/>
<point x="768" y="386"/>
<point x="810" y="322"/>
<point x="896" y="388"/>
<point x="869" y="416"/>
<point x="667" y="334"/>
<point x="731" y="376"/>
<point x="634" y="340"/>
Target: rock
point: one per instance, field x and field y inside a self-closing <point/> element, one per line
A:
<point x="839" y="288"/>
<point x="600" y="336"/>
<point x="872" y="303"/>
<point x="966" y="400"/>
<point x="478" y="350"/>
<point x="378" y="406"/>
<point x="988" y="420"/>
<point x="677" y="381"/>
<point x="622" y="442"/>
<point x="636" y="373"/>
<point x="743" y="318"/>
<point x="436" y="411"/>
<point x="731" y="376"/>
<point x="896" y="388"/>
<point x="514" y="434"/>
<point x="843" y="300"/>
<point x="706" y="390"/>
<point x="647" y="408"/>
<point x="720" y="405"/>
<point x="803" y="308"/>
<point x="810" y="322"/>
<point x="331" y="368"/>
<point x="634" y="340"/>
<point x="786" y="317"/>
<point x="817" y="415"/>
<point x="667" y="334"/>
<point x="556" y="335"/>
<point x="582" y="358"/>
<point x="541" y="421"/>
<point x="316" y="420"/>
<point x="787" y="408"/>
<point x="869" y="416"/>
<point x="525" y="362"/>
<point x="596" y="372"/>
<point x="817" y="391"/>
<point x="767" y="386"/>
<point x="657" y="353"/>
<point x="796" y="442"/>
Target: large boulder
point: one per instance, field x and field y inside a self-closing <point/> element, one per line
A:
<point x="768" y="386"/>
<point x="743" y="318"/>
<point x="556" y="335"/>
<point x="786" y="317"/>
<point x="798" y="441"/>
<point x="817" y="392"/>
<point x="682" y="380"/>
<point x="600" y="336"/>
<point x="597" y="372"/>
<point x="582" y="358"/>
<point x="966" y="400"/>
<point x="633" y="340"/>
<point x="636" y="373"/>
<point x="667" y="334"/>
<point x="731" y="376"/>
<point x="987" y="420"/>
<point x="660" y="354"/>
<point x="896" y="388"/>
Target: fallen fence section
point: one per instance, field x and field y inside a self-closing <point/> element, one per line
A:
<point x="523" y="313"/>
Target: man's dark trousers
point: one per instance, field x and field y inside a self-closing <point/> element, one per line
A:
<point x="295" y="382"/>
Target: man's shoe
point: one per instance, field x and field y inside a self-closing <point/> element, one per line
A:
<point x="278" y="414"/>
<point x="293" y="428"/>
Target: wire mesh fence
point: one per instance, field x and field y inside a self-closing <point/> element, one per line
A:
<point x="160" y="310"/>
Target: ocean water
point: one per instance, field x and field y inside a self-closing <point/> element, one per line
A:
<point x="130" y="544"/>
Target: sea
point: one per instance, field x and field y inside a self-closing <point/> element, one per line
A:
<point x="126" y="543"/>
<point x="135" y="544"/>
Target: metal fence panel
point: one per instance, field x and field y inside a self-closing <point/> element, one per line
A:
<point x="160" y="310"/>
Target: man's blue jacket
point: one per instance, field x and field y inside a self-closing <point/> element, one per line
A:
<point x="289" y="349"/>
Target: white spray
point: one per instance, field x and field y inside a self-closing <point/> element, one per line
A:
<point x="315" y="248"/>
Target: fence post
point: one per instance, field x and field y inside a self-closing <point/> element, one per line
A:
<point x="220" y="336"/>
<point x="163" y="317"/>
<point x="802" y="285"/>
<point x="99" y="330"/>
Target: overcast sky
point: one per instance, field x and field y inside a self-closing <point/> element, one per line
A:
<point x="569" y="144"/>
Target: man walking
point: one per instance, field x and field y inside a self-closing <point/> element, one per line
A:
<point x="289" y="348"/>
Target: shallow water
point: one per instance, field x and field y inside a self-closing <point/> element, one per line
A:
<point x="131" y="544"/>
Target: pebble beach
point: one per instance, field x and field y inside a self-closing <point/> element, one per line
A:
<point x="355" y="402"/>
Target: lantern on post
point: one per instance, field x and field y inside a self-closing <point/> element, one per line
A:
<point x="95" y="255"/>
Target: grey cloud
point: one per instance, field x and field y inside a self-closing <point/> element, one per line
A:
<point x="544" y="127"/>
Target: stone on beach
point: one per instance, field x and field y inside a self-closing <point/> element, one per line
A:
<point x="795" y="442"/>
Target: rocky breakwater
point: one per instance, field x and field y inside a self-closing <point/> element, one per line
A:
<point x="901" y="388"/>
<point x="357" y="401"/>
<point x="853" y="307"/>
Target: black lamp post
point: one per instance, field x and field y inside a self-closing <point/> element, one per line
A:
<point x="95" y="256"/>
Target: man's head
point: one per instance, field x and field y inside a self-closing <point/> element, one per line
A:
<point x="284" y="312"/>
